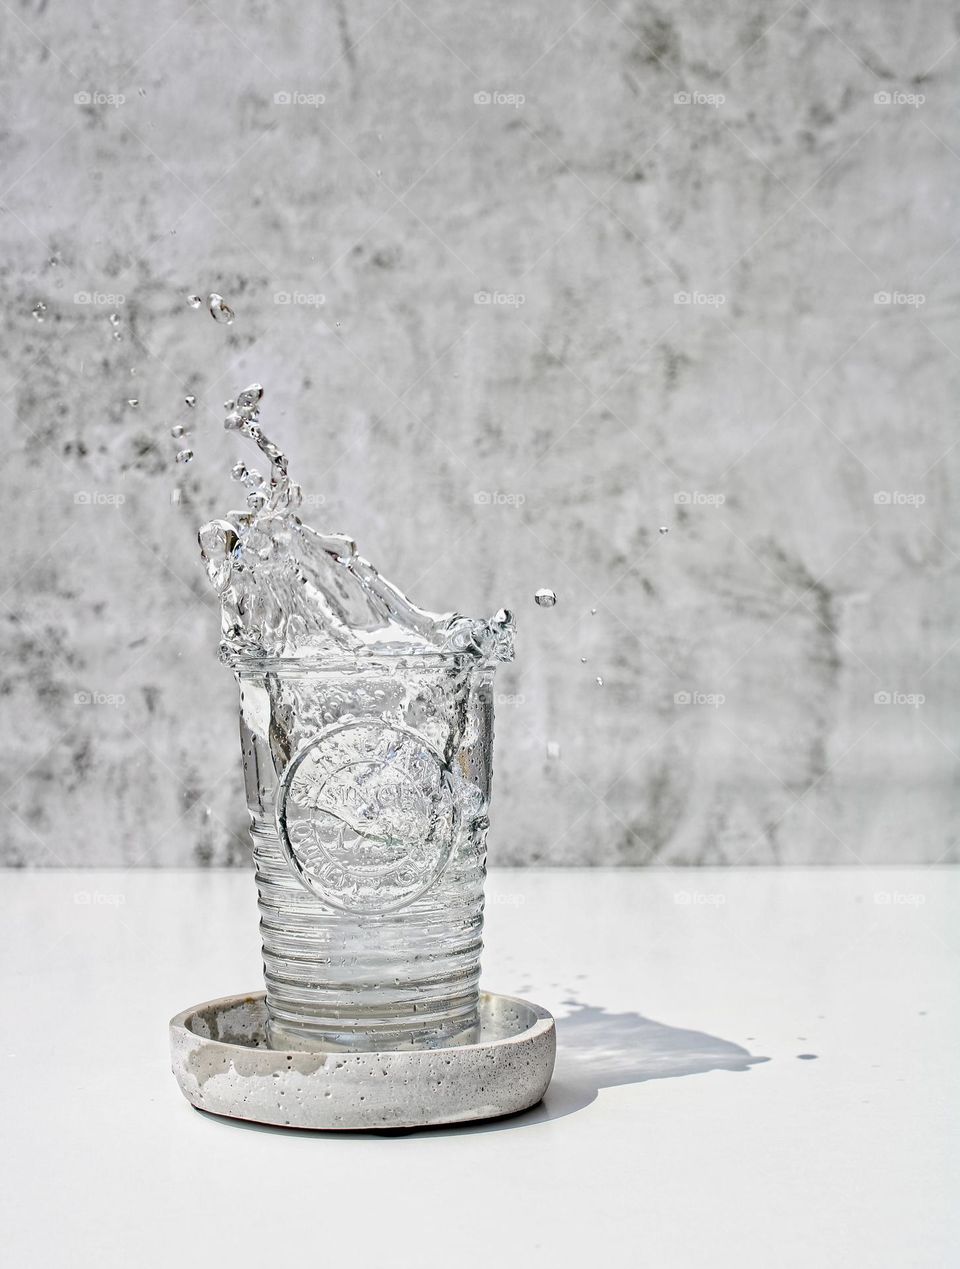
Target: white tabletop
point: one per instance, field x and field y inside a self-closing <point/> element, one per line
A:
<point x="683" y="1128"/>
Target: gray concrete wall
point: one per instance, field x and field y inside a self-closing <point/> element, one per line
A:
<point x="733" y="230"/>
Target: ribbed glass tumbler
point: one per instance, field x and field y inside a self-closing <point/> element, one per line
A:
<point x="368" y="785"/>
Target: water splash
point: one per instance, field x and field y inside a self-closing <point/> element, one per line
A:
<point x="220" y="310"/>
<point x="289" y="591"/>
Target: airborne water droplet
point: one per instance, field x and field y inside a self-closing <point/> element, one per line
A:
<point x="114" y="319"/>
<point x="545" y="598"/>
<point x="233" y="422"/>
<point x="194" y="300"/>
<point x="230" y="405"/>
<point x="599" y="681"/>
<point x="238" y="471"/>
<point x="220" y="310"/>
<point x="177" y="430"/>
<point x="185" y="456"/>
<point x="133" y="402"/>
<point x="39" y="309"/>
<point x="174" y="497"/>
<point x="249" y="398"/>
<point x="553" y="749"/>
<point x="664" y="529"/>
<point x="191" y="401"/>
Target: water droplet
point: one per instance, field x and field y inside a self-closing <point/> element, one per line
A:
<point x="253" y="479"/>
<point x="185" y="456"/>
<point x="230" y="405"/>
<point x="177" y="430"/>
<point x="174" y="497"/>
<point x="133" y="402"/>
<point x="583" y="660"/>
<point x="545" y="598"/>
<point x="233" y="422"/>
<point x="239" y="471"/>
<point x="117" y="335"/>
<point x="53" y="261"/>
<point x="220" y="310"/>
<point x="114" y="319"/>
<point x="142" y="92"/>
<point x="194" y="300"/>
<point x="553" y="749"/>
<point x="807" y="1057"/>
<point x="249" y="398"/>
<point x="593" y="612"/>
<point x="256" y="500"/>
<point x="664" y="529"/>
<point x="599" y="681"/>
<point x="379" y="171"/>
<point x="191" y="401"/>
<point x="338" y="324"/>
<point x="39" y="309"/>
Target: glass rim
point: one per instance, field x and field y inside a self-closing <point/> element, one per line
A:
<point x="243" y="662"/>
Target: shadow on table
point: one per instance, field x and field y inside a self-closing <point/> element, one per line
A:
<point x="595" y="1050"/>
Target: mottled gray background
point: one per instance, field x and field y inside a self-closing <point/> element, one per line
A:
<point x="794" y="433"/>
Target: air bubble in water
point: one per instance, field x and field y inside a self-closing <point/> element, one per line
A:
<point x="194" y="300"/>
<point x="38" y="310"/>
<point x="185" y="456"/>
<point x="177" y="430"/>
<point x="545" y="598"/>
<point x="133" y="402"/>
<point x="191" y="401"/>
<point x="220" y="310"/>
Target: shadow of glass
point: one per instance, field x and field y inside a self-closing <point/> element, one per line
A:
<point x="595" y="1049"/>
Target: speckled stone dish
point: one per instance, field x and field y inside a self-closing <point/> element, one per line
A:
<point x="222" y="1064"/>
